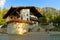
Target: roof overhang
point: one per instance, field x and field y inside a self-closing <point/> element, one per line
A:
<point x="32" y="9"/>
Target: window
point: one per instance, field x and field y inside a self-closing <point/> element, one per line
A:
<point x="27" y="14"/>
<point x="27" y="19"/>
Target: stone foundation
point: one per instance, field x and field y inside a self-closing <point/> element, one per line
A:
<point x="17" y="28"/>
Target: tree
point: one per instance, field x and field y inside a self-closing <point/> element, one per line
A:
<point x="57" y="20"/>
<point x="57" y="23"/>
<point x="2" y="21"/>
<point x="5" y="10"/>
<point x="2" y="13"/>
<point x="45" y="18"/>
<point x="52" y="17"/>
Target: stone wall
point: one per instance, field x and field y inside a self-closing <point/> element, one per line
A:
<point x="32" y="36"/>
<point x="16" y="28"/>
<point x="28" y="36"/>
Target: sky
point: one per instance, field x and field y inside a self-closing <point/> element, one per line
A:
<point x="36" y="3"/>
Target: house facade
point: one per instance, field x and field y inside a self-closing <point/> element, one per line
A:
<point x="20" y="19"/>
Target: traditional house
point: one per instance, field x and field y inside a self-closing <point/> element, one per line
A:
<point x="19" y="19"/>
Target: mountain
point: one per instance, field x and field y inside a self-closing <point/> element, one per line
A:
<point x="50" y="10"/>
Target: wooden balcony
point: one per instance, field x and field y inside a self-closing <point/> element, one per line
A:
<point x="19" y="21"/>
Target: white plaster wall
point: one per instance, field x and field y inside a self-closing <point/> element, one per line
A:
<point x="25" y="13"/>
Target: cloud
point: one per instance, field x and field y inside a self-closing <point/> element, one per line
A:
<point x="2" y="2"/>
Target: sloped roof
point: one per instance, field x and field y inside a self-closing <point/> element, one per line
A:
<point x="14" y="9"/>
